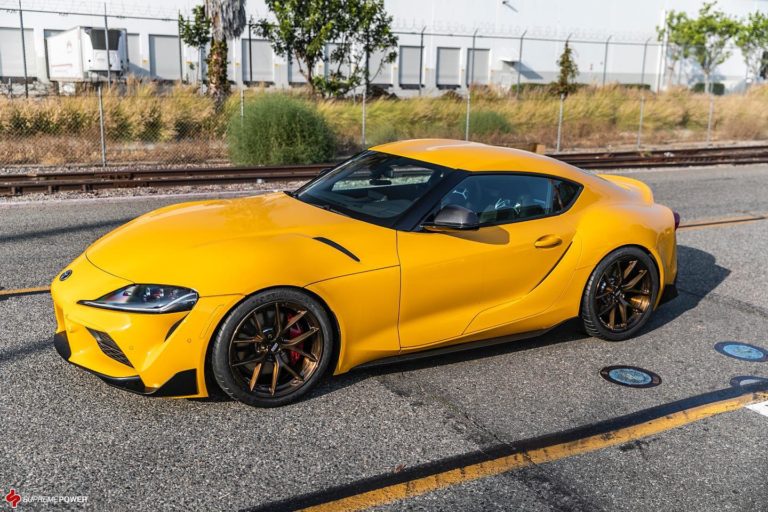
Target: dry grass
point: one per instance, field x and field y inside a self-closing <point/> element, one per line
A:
<point x="593" y="117"/>
<point x="177" y="125"/>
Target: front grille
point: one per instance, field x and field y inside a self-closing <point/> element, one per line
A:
<point x="109" y="347"/>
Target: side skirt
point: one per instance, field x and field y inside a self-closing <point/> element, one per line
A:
<point x="459" y="347"/>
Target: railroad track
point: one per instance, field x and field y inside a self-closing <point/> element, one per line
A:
<point x="667" y="157"/>
<point x="88" y="181"/>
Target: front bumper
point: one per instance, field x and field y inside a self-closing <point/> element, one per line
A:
<point x="183" y="383"/>
<point x="149" y="354"/>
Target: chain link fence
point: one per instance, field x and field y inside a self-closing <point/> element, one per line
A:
<point x="114" y="126"/>
<point x="159" y="126"/>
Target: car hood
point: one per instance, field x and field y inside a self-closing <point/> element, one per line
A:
<point x="241" y="245"/>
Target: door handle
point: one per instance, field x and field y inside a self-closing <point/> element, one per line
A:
<point x="547" y="241"/>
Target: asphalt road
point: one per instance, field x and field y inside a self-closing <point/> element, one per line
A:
<point x="66" y="433"/>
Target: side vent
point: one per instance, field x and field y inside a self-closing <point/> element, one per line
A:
<point x="336" y="246"/>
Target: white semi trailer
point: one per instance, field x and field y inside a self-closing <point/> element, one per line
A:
<point x="80" y="54"/>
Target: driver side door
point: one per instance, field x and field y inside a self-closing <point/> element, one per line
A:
<point x="448" y="278"/>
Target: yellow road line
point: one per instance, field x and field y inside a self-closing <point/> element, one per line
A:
<point x="24" y="291"/>
<point x="419" y="486"/>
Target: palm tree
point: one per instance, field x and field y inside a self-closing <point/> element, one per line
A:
<point x="227" y="23"/>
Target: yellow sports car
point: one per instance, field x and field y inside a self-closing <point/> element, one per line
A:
<point x="408" y="249"/>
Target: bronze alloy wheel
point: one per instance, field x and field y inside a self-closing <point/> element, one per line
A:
<point x="620" y="294"/>
<point x="276" y="348"/>
<point x="623" y="294"/>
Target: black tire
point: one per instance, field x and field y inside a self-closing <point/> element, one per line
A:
<point x="605" y="289"/>
<point x="229" y="359"/>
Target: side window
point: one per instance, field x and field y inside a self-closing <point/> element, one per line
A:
<point x="502" y="198"/>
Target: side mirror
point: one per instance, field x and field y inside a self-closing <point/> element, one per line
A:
<point x="453" y="218"/>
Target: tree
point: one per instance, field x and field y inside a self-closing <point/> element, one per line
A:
<point x="752" y="40"/>
<point x="705" y="38"/>
<point x="365" y="30"/>
<point x="566" y="80"/>
<point x="303" y="28"/>
<point x="675" y="46"/>
<point x="227" y="22"/>
<point x="196" y="32"/>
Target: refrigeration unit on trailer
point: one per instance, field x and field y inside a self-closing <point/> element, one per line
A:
<point x="80" y="54"/>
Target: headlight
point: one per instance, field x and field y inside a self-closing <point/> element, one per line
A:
<point x="147" y="298"/>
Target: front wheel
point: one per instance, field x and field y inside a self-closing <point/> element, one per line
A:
<point x="619" y="297"/>
<point x="272" y="348"/>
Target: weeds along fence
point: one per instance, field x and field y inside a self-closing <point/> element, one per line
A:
<point x="176" y="126"/>
<point x="113" y="126"/>
<point x="611" y="117"/>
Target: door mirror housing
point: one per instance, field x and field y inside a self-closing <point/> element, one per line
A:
<point x="453" y="218"/>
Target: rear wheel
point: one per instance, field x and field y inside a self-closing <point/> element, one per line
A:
<point x="619" y="297"/>
<point x="272" y="348"/>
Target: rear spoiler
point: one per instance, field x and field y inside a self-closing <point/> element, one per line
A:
<point x="635" y="186"/>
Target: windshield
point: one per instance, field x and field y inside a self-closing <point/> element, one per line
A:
<point x="374" y="187"/>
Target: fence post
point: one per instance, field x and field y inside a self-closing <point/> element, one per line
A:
<point x="640" y="124"/>
<point x="106" y="44"/>
<point x="520" y="64"/>
<point x="101" y="128"/>
<point x="709" y="119"/>
<point x="645" y="53"/>
<point x="250" y="51"/>
<point x="242" y="106"/>
<point x="365" y="98"/>
<point x="605" y="58"/>
<point x="23" y="52"/>
<point x="560" y="123"/>
<point x="470" y="81"/>
<point x="421" y="59"/>
<point x="181" y="54"/>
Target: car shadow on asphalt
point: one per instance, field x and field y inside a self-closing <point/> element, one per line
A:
<point x="697" y="276"/>
<point x="568" y="331"/>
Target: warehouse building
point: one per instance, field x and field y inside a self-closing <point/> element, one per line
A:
<point x="443" y="44"/>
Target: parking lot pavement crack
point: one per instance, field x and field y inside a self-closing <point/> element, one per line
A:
<point x="724" y="300"/>
<point x="459" y="419"/>
<point x="550" y="488"/>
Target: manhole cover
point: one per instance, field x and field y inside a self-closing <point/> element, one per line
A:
<point x="746" y="380"/>
<point x="630" y="376"/>
<point x="742" y="351"/>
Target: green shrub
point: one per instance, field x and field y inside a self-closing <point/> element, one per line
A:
<point x="488" y="122"/>
<point x="18" y="124"/>
<point x="149" y="121"/>
<point x="276" y="129"/>
<point x="117" y="124"/>
<point x="718" y="88"/>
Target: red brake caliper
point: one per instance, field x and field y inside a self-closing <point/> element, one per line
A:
<point x="294" y="331"/>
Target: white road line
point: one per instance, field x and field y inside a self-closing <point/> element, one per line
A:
<point x="760" y="408"/>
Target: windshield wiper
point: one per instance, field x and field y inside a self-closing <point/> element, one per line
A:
<point x="329" y="208"/>
<point x="290" y="193"/>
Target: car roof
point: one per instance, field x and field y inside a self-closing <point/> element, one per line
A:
<point x="476" y="157"/>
